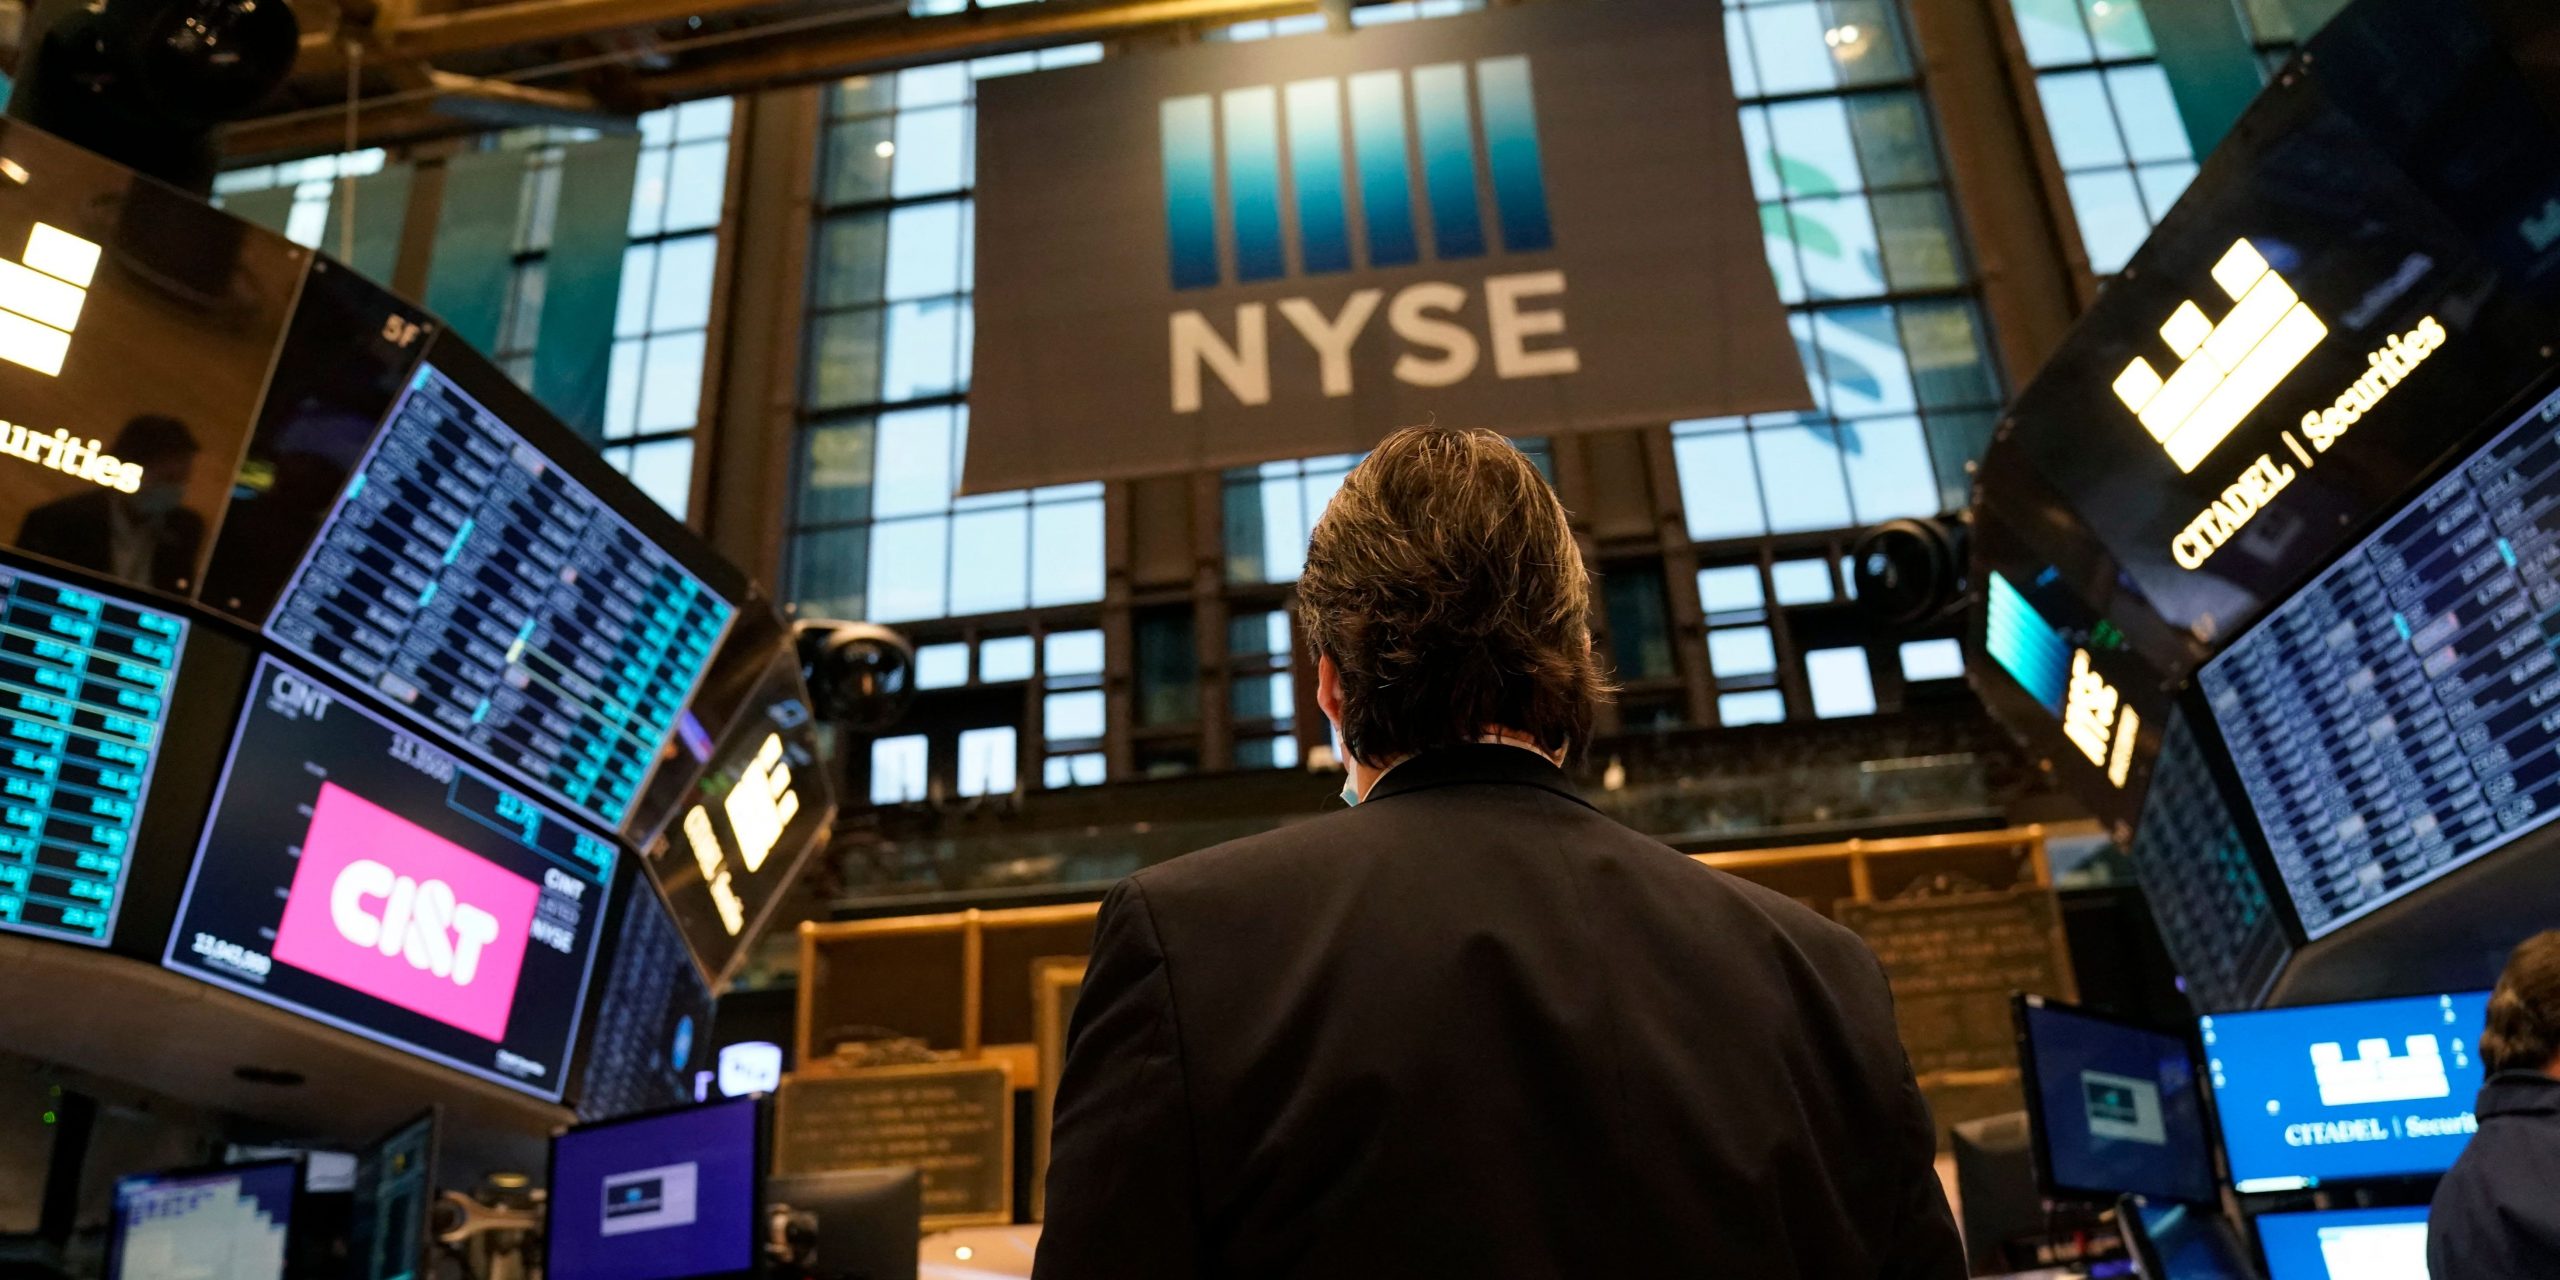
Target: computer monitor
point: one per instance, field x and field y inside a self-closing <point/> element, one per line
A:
<point x="2181" y="1242"/>
<point x="863" y="1224"/>
<point x="2346" y="1244"/>
<point x="669" y="1195"/>
<point x="2116" y="1108"/>
<point x="395" y="1186"/>
<point x="2319" y="1094"/>
<point x="229" y="1223"/>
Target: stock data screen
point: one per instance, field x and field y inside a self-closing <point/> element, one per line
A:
<point x="357" y="873"/>
<point x="2399" y="717"/>
<point x="483" y="591"/>
<point x="87" y="683"/>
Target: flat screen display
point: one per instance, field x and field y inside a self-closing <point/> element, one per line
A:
<point x="652" y="1026"/>
<point x="359" y="874"/>
<point x="474" y="583"/>
<point x="2118" y="1111"/>
<point x="2399" y="716"/>
<point x="395" y="1184"/>
<point x="214" y="1224"/>
<point x="2346" y="1244"/>
<point x="2338" y="1092"/>
<point x="671" y="1196"/>
<point x="2183" y="1242"/>
<point x="85" y="688"/>
<point x="137" y="326"/>
<point x="752" y="819"/>
<point x="2216" y="915"/>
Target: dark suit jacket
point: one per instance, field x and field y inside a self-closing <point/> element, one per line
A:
<point x="73" y="530"/>
<point x="1472" y="1028"/>
<point x="2497" y="1213"/>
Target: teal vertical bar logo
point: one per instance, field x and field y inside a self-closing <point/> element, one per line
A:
<point x="1325" y="176"/>
<point x="2025" y="645"/>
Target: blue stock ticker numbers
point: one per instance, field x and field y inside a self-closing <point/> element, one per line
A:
<point x="471" y="582"/>
<point x="84" y="683"/>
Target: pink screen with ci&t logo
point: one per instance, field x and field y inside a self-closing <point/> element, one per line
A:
<point x="385" y="907"/>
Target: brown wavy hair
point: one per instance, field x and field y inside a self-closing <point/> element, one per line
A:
<point x="2524" y="1012"/>
<point x="1445" y="583"/>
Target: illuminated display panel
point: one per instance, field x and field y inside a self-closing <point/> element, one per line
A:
<point x="652" y="1025"/>
<point x="482" y="590"/>
<point x="2399" y="717"/>
<point x="359" y="874"/>
<point x="86" y="681"/>
<point x="756" y="813"/>
<point x="2312" y="1095"/>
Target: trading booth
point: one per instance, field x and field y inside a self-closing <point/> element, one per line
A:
<point x="2267" y="572"/>
<point x="380" y="767"/>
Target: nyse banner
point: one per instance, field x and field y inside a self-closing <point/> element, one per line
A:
<point x="1534" y="219"/>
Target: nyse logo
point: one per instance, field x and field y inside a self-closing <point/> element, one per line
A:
<point x="2097" y="720"/>
<point x="762" y="804"/>
<point x="2061" y="678"/>
<point x="40" y="300"/>
<point x="1363" y="159"/>
<point x="2227" y="369"/>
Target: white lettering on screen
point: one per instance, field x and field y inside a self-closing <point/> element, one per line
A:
<point x="422" y="922"/>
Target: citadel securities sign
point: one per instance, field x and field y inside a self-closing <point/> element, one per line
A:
<point x="1536" y="219"/>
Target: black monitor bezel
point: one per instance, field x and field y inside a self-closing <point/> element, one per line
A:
<point x="2039" y="1149"/>
<point x="763" y="1105"/>
<point x="295" y="1204"/>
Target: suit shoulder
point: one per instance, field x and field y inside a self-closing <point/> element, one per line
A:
<point x="1282" y="849"/>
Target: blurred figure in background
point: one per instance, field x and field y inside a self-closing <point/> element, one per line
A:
<point x="147" y="536"/>
<point x="2497" y="1213"/>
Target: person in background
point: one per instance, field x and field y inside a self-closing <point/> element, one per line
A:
<point x="1469" y="1026"/>
<point x="147" y="536"/>
<point x="2496" y="1215"/>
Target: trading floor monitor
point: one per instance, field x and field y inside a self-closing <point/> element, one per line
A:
<point x="669" y="1195"/>
<point x="395" y="1184"/>
<point x="2319" y="1094"/>
<point x="2117" y="1108"/>
<point x="2346" y="1244"/>
<point x="2181" y="1242"/>
<point x="856" y="1225"/>
<point x="230" y="1223"/>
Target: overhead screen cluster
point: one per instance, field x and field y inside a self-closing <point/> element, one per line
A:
<point x="2269" y="552"/>
<point x="359" y="685"/>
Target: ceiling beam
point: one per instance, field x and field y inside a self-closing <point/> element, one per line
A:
<point x="454" y="105"/>
<point x="903" y="42"/>
<point x="500" y="26"/>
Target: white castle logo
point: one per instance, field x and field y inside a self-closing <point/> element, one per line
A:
<point x="2374" y="1075"/>
<point x="2225" y="370"/>
<point x="40" y="300"/>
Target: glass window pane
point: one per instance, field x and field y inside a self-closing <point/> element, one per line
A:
<point x="1866" y="46"/>
<point x="2162" y="184"/>
<point x="1760" y="706"/>
<point x="844" y="360"/>
<point x="1066" y="553"/>
<point x="1005" y="659"/>
<point x="2121" y="27"/>
<point x="704" y="118"/>
<point x="1836" y="247"/>
<point x="912" y="472"/>
<point x="1843" y="685"/>
<point x="1787" y="43"/>
<point x="2052" y="32"/>
<point x="622" y="387"/>
<point x="988" y="554"/>
<point x="1732" y="588"/>
<point x="1803" y="481"/>
<point x="1263" y="697"/>
<point x="1719" y="485"/>
<point x="648" y="191"/>
<point x="921" y="353"/>
<point x="859" y="156"/>
<point x="897" y="769"/>
<point x="697" y="184"/>
<point x="663" y="469"/>
<point x="1802" y="581"/>
<point x="987" y="760"/>
<point x="1268" y="753"/>
<point x="671" y="382"/>
<point x="1890" y="474"/>
<point x="1918" y="236"/>
<point x="1073" y="717"/>
<point x="1932" y="659"/>
<point x="852" y="259"/>
<point x="1074" y="771"/>
<point x="861" y="95"/>
<point x="835" y="472"/>
<point x="932" y="154"/>
<point x="1073" y="653"/>
<point x="2082" y="124"/>
<point x="827" y="570"/>
<point x="639" y="278"/>
<point x="1949" y="367"/>
<point x="1741" y="651"/>
<point x="683" y="297"/>
<point x="2112" y="222"/>
<point x="933" y="86"/>
<point x="942" y="666"/>
<point x="924" y="250"/>
<point x="2153" y="130"/>
<point x="1813" y="154"/>
<point x="907" y="559"/>
<point x="1259" y="634"/>
<point x="1863" y="370"/>
<point x="1895" y="146"/>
